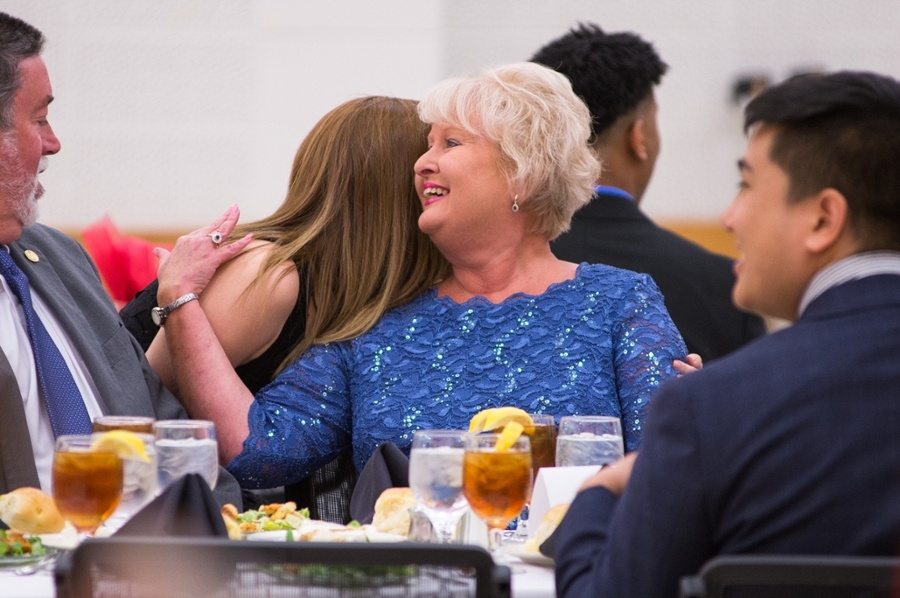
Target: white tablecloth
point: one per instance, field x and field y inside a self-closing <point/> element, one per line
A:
<point x="528" y="581"/>
<point x="39" y="585"/>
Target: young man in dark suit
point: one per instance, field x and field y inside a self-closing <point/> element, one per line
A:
<point x="615" y="75"/>
<point x="65" y="356"/>
<point x="790" y="445"/>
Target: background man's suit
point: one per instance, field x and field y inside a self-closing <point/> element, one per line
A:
<point x="67" y="281"/>
<point x="791" y="445"/>
<point x="696" y="284"/>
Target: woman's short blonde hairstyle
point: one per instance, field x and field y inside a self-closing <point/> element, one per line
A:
<point x="540" y="129"/>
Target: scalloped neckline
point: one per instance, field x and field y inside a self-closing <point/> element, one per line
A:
<point x="482" y="300"/>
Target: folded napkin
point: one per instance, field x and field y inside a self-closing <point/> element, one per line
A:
<point x="184" y="509"/>
<point x="387" y="468"/>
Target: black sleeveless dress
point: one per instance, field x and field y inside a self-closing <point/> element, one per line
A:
<point x="326" y="493"/>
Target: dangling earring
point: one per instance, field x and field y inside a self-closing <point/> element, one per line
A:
<point x="515" y="206"/>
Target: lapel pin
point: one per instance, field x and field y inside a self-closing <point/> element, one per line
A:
<point x="32" y="256"/>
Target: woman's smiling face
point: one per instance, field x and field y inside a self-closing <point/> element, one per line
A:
<point x="460" y="184"/>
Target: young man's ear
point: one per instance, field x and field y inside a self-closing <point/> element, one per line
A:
<point x="636" y="140"/>
<point x="829" y="223"/>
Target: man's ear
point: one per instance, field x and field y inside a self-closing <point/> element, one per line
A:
<point x="829" y="221"/>
<point x="636" y="141"/>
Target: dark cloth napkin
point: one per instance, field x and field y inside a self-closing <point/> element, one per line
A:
<point x="548" y="546"/>
<point x="184" y="509"/>
<point x="387" y="468"/>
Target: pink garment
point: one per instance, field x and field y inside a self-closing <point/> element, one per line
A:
<point x="126" y="264"/>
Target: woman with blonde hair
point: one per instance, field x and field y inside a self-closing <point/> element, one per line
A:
<point x="506" y="167"/>
<point x="341" y="250"/>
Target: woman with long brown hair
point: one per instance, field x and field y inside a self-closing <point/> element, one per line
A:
<point x="341" y="250"/>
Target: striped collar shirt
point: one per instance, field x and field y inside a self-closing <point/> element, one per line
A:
<point x="861" y="265"/>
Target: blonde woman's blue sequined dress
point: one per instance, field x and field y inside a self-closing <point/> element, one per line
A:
<point x="599" y="344"/>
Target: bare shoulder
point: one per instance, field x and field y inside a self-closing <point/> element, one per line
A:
<point x="235" y="279"/>
<point x="247" y="314"/>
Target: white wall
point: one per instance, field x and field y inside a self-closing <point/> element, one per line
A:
<point x="170" y="110"/>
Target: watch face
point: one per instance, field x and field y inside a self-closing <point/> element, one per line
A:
<point x="158" y="315"/>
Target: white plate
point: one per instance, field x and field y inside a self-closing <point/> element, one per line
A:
<point x="278" y="535"/>
<point x="532" y="558"/>
<point x="25" y="559"/>
<point x="340" y="534"/>
<point x="62" y="541"/>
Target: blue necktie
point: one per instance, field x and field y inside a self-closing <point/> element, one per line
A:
<point x="66" y="409"/>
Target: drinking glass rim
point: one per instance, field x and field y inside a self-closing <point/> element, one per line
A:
<point x="189" y="424"/>
<point x="590" y="418"/>
<point x="439" y="432"/>
<point x="128" y="418"/>
<point x="533" y="417"/>
<point x="77" y="441"/>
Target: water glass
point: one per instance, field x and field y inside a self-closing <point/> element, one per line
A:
<point x="589" y="440"/>
<point x="139" y="483"/>
<point x="186" y="446"/>
<point x="436" y="477"/>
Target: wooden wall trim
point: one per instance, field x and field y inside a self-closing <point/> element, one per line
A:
<point x="709" y="234"/>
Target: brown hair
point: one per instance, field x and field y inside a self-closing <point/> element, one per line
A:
<point x="350" y="218"/>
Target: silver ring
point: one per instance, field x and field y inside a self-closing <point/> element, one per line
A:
<point x="216" y="237"/>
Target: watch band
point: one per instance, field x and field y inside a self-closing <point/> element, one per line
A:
<point x="159" y="314"/>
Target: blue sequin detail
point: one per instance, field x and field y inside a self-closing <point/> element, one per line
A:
<point x="598" y="344"/>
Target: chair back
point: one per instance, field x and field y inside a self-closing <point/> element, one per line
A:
<point x="138" y="567"/>
<point x="775" y="576"/>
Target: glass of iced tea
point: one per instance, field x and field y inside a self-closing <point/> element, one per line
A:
<point x="136" y="424"/>
<point x="543" y="441"/>
<point x="87" y="484"/>
<point x="496" y="482"/>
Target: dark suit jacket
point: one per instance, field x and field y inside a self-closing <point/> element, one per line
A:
<point x="789" y="446"/>
<point x="68" y="282"/>
<point x="696" y="284"/>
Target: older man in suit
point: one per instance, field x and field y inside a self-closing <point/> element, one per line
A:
<point x="615" y="74"/>
<point x="791" y="444"/>
<point x="65" y="356"/>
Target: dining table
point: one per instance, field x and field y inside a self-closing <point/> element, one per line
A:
<point x="528" y="581"/>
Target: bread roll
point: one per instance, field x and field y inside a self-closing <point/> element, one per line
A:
<point x="392" y="511"/>
<point x="547" y="526"/>
<point x="30" y="511"/>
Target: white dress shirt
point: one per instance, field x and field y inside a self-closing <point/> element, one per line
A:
<point x="860" y="265"/>
<point x="17" y="348"/>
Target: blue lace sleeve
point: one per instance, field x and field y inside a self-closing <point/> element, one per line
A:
<point x="645" y="347"/>
<point x="299" y="422"/>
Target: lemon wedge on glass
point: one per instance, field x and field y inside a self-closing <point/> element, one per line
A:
<point x="126" y="445"/>
<point x="498" y="417"/>
<point x="512" y="419"/>
<point x="508" y="436"/>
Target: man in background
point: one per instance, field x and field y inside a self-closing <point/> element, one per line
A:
<point x="615" y="75"/>
<point x="788" y="445"/>
<point x="65" y="356"/>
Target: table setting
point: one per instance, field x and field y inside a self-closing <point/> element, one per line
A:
<point x="152" y="479"/>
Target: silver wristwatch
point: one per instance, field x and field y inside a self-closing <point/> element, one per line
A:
<point x="159" y="314"/>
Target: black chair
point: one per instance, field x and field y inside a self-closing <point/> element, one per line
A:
<point x="139" y="567"/>
<point x="774" y="576"/>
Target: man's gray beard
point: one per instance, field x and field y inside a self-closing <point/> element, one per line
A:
<point x="21" y="189"/>
<point x="28" y="209"/>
